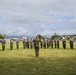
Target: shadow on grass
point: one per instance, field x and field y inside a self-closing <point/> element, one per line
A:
<point x="37" y="66"/>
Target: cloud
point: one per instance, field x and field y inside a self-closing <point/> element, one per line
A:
<point x="32" y="17"/>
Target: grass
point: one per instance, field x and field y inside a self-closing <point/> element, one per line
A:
<point x="49" y="62"/>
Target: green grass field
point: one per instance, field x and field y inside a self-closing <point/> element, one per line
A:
<point x="49" y="62"/>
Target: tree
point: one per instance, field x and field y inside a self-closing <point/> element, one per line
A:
<point x="2" y="36"/>
<point x="56" y="36"/>
<point x="40" y="36"/>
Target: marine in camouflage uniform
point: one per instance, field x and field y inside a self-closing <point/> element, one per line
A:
<point x="51" y="42"/>
<point x="24" y="43"/>
<point x="27" y="43"/>
<point x="17" y="43"/>
<point x="3" y="44"/>
<point x="48" y="44"/>
<point x="55" y="43"/>
<point x="44" y="44"/>
<point x="58" y="44"/>
<point x="41" y="43"/>
<point x="64" y="43"/>
<point x="36" y="46"/>
<point x="71" y="43"/>
<point x="11" y="44"/>
<point x="31" y="43"/>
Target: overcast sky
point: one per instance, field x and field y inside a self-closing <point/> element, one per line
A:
<point x="32" y="17"/>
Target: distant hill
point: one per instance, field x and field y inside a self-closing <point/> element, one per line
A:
<point x="20" y="37"/>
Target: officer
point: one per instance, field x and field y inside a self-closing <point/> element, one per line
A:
<point x="71" y="43"/>
<point x="17" y="43"/>
<point x="58" y="44"/>
<point x="36" y="46"/>
<point x="3" y="44"/>
<point x="64" y="43"/>
<point x="11" y="44"/>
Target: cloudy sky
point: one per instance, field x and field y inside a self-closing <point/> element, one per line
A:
<point x="32" y="17"/>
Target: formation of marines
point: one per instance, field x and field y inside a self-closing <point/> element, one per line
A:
<point x="37" y="43"/>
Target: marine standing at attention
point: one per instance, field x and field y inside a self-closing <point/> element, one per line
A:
<point x="3" y="44"/>
<point x="17" y="43"/>
<point x="11" y="44"/>
<point x="36" y="46"/>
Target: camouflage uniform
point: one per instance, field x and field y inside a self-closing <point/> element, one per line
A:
<point x="17" y="44"/>
<point x="41" y="44"/>
<point x="24" y="43"/>
<point x="64" y="44"/>
<point x="36" y="46"/>
<point x="71" y="43"/>
<point x="44" y="44"/>
<point x="48" y="44"/>
<point x="58" y="44"/>
<point x="31" y="44"/>
<point x="27" y="43"/>
<point x="3" y="44"/>
<point x="55" y="43"/>
<point x="51" y="43"/>
<point x="11" y="44"/>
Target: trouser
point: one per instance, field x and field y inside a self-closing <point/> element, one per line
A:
<point x="55" y="45"/>
<point x="47" y="45"/>
<point x="24" y="45"/>
<point x="31" y="46"/>
<point x="36" y="51"/>
<point x="27" y="45"/>
<point x="44" y="46"/>
<point x="71" y="46"/>
<point x="58" y="46"/>
<point x="17" y="45"/>
<point x="3" y="47"/>
<point x="11" y="46"/>
<point x="41" y="45"/>
<point x="64" y="46"/>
